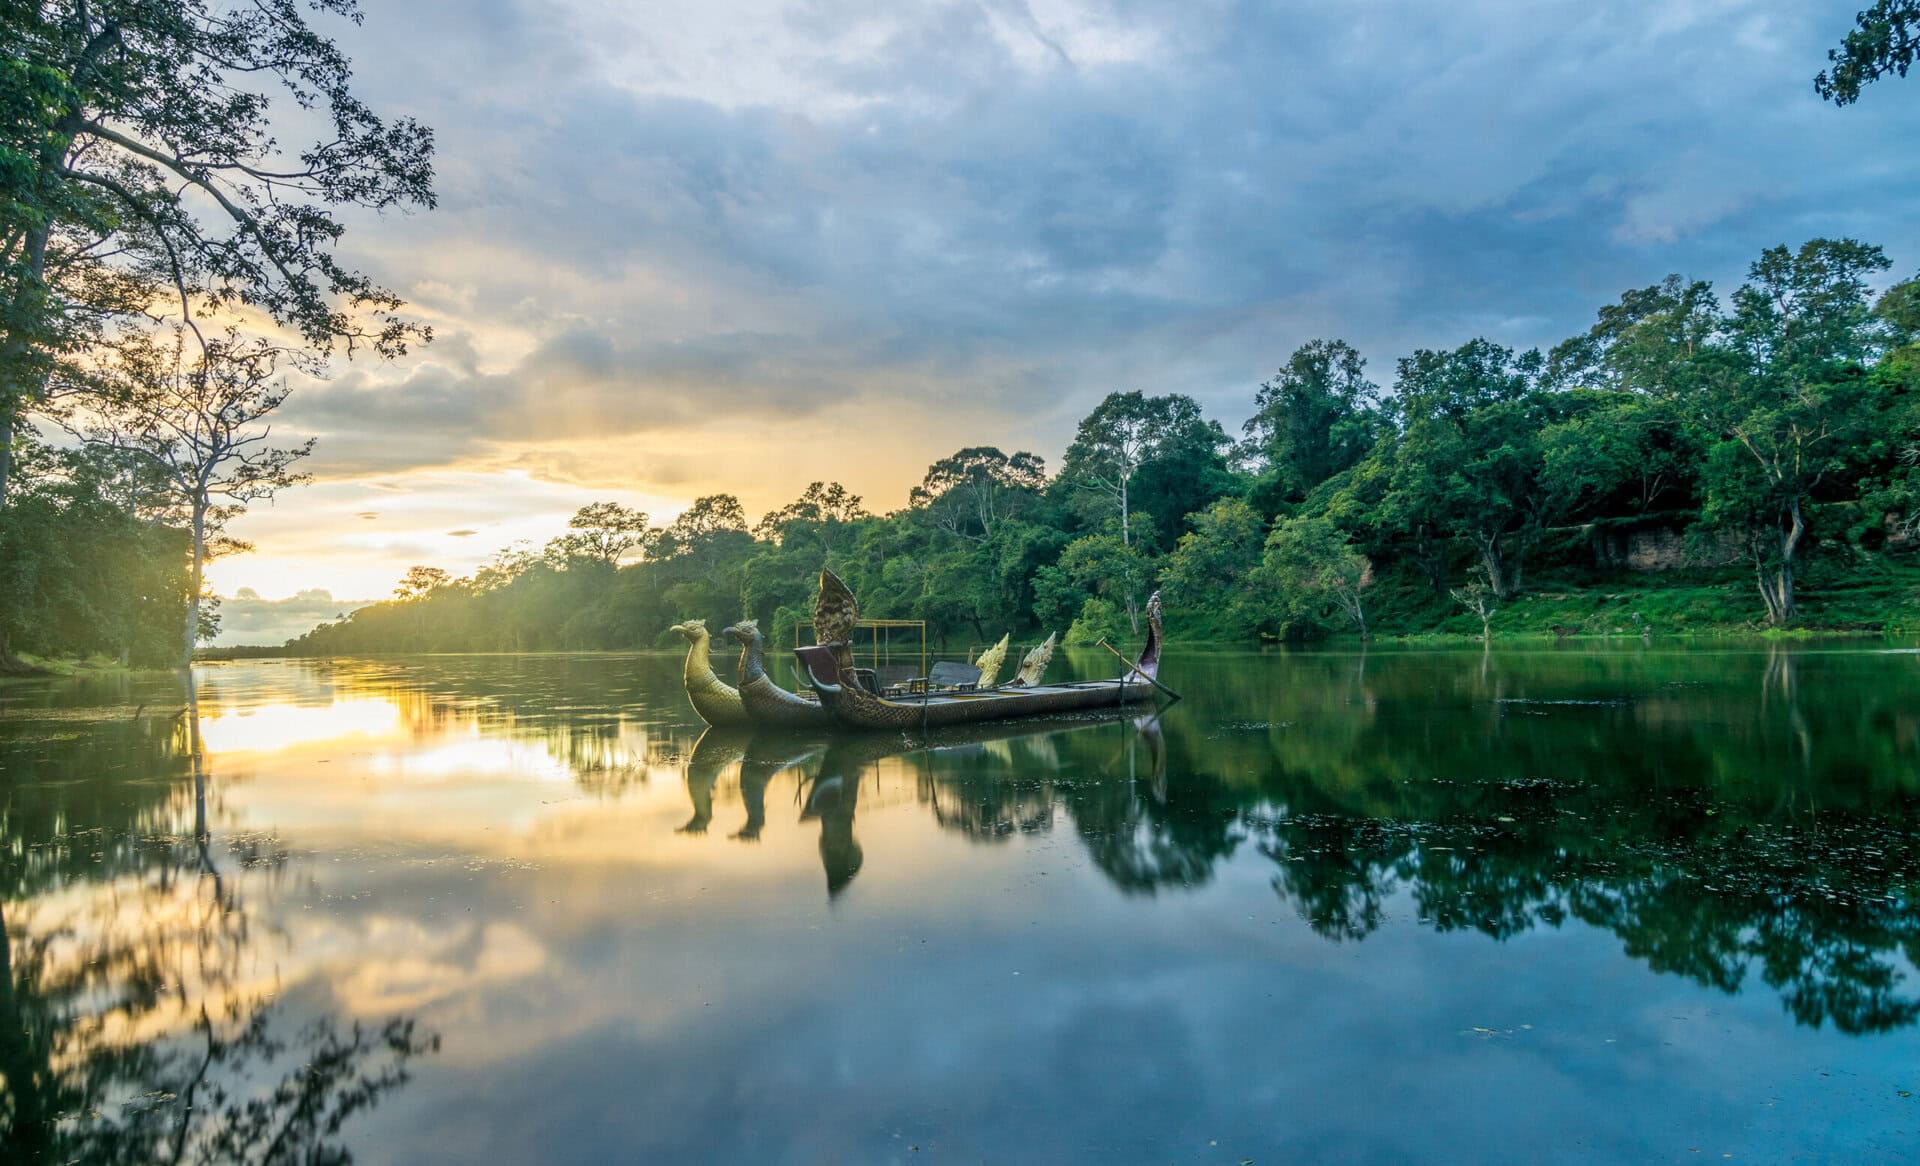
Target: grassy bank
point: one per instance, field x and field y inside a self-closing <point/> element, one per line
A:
<point x="1885" y="601"/>
<point x="41" y="667"/>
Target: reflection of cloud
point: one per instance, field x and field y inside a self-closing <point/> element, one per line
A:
<point x="403" y="965"/>
<point x="275" y="727"/>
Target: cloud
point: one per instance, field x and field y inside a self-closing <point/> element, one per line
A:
<point x="247" y="619"/>
<point x="668" y="228"/>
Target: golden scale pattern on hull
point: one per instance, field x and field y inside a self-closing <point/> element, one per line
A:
<point x="768" y="704"/>
<point x="717" y="702"/>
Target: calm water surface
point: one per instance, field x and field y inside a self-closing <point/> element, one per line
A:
<point x="1596" y="903"/>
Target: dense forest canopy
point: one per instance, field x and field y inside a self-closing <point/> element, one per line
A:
<point x="1765" y="433"/>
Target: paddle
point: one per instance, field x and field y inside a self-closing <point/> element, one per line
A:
<point x="1135" y="670"/>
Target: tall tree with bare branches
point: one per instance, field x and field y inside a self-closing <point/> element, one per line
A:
<point x="141" y="162"/>
<point x="201" y="414"/>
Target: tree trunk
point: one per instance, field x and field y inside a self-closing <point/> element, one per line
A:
<point x="10" y="664"/>
<point x="1494" y="562"/>
<point x="1432" y="560"/>
<point x="17" y="388"/>
<point x="194" y="583"/>
<point x="7" y="410"/>
<point x="1776" y="579"/>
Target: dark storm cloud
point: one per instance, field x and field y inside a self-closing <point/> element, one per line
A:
<point x="708" y="214"/>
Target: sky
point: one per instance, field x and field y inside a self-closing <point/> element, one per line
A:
<point x="693" y="246"/>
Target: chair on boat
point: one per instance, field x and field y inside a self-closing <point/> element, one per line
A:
<point x="945" y="676"/>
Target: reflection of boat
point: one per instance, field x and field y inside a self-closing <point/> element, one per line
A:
<point x="852" y="706"/>
<point x="768" y="755"/>
<point x="768" y="704"/>
<point x="832" y="797"/>
<point x="714" y="751"/>
<point x="717" y="702"/>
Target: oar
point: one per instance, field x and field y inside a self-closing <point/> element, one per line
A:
<point x="1133" y="668"/>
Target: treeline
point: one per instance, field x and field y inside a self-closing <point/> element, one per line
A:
<point x="1761" y="432"/>
<point x="94" y="559"/>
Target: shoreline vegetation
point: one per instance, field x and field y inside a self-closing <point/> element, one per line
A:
<point x="1728" y="461"/>
<point x="1687" y="465"/>
<point x="1691" y="463"/>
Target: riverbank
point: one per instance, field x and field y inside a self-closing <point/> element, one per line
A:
<point x="1403" y="606"/>
<point x="42" y="667"/>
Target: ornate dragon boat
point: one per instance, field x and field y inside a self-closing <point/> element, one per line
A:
<point x="767" y="704"/>
<point x="717" y="702"/>
<point x="852" y="706"/>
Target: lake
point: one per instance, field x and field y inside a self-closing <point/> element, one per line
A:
<point x="1588" y="902"/>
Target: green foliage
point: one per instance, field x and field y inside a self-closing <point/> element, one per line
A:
<point x="1314" y="576"/>
<point x="1099" y="619"/>
<point x="92" y="559"/>
<point x="1210" y="580"/>
<point x="1315" y="418"/>
<point x="1884" y="40"/>
<point x="1674" y="420"/>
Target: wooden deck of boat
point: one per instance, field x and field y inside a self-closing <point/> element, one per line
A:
<point x="991" y="694"/>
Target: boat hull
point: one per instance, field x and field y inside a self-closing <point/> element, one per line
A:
<point x="770" y="706"/>
<point x="854" y="709"/>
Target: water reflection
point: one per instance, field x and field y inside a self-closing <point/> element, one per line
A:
<point x="384" y="852"/>
<point x="140" y="1018"/>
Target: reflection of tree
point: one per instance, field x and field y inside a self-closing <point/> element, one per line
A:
<point x="137" y="1020"/>
<point x="1730" y="900"/>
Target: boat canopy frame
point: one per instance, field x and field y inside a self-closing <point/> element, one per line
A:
<point x="881" y="643"/>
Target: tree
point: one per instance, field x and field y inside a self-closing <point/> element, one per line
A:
<point x="1645" y="343"/>
<point x="420" y="582"/>
<point x="605" y="533"/>
<point x="1478" y="597"/>
<point x="144" y="127"/>
<point x="972" y="490"/>
<point x="820" y="502"/>
<point x="203" y="422"/>
<point x="1467" y="460"/>
<point x="1312" y="568"/>
<point x="1111" y="569"/>
<point x="1125" y="432"/>
<point x="1315" y="418"/>
<point x="1885" y="39"/>
<point x="1211" y="573"/>
<point x="707" y="516"/>
<point x="1788" y="400"/>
